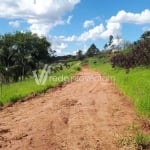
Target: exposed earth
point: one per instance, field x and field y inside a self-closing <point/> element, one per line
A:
<point x="88" y="113"/>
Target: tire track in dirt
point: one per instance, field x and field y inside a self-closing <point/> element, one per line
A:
<point x="86" y="114"/>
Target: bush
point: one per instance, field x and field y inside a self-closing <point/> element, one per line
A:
<point x="138" y="56"/>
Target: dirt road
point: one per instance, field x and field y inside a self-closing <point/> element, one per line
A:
<point x="86" y="114"/>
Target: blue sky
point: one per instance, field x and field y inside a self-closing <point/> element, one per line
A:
<point x="75" y="24"/>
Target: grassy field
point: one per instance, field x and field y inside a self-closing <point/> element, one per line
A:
<point x="135" y="84"/>
<point x="15" y="91"/>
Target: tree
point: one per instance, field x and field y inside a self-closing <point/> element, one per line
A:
<point x="145" y="35"/>
<point x="31" y="50"/>
<point x="109" y="43"/>
<point x="20" y="53"/>
<point x="105" y="46"/>
<point x="6" y="49"/>
<point x="80" y="55"/>
<point x="110" y="40"/>
<point x="92" y="50"/>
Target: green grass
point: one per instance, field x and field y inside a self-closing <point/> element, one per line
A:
<point x="135" y="84"/>
<point x="15" y="91"/>
<point x="142" y="141"/>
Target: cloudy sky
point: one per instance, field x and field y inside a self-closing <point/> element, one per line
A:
<point x="75" y="24"/>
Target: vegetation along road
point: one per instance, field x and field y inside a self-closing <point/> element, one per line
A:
<point x="88" y="113"/>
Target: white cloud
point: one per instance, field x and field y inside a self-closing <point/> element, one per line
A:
<point x="88" y="23"/>
<point x="59" y="47"/>
<point x="70" y="38"/>
<point x="98" y="18"/>
<point x="69" y="19"/>
<point x="62" y="38"/>
<point x="134" y="18"/>
<point x="58" y="43"/>
<point x="111" y="29"/>
<point x="43" y="27"/>
<point x="98" y="32"/>
<point x="117" y="41"/>
<point x="42" y="16"/>
<point x="92" y="34"/>
<point x="146" y="28"/>
<point x="114" y="25"/>
<point x="14" y="24"/>
<point x="75" y="52"/>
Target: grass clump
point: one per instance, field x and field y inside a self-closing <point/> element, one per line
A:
<point x="142" y="141"/>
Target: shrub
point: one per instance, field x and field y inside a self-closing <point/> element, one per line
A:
<point x="138" y="56"/>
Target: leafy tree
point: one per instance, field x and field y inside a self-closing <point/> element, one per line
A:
<point x="20" y="53"/>
<point x="92" y="50"/>
<point x="145" y="35"/>
<point x="80" y="55"/>
<point x="6" y="50"/>
<point x="109" y="43"/>
<point x="105" y="46"/>
<point x="110" y="40"/>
